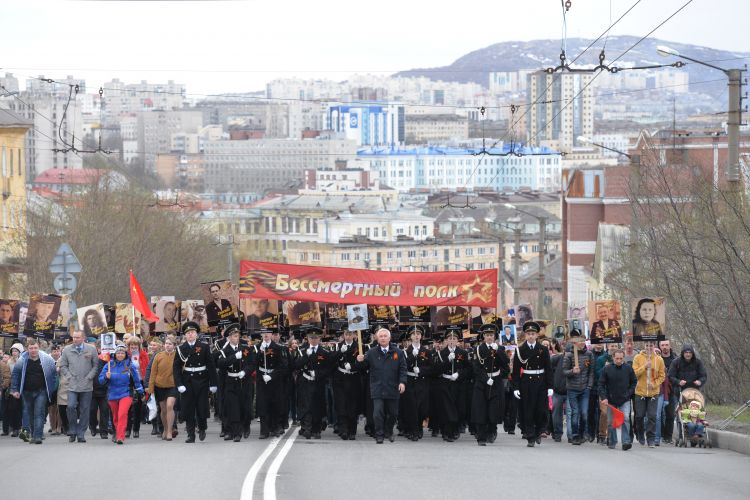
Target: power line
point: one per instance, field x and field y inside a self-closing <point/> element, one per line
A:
<point x="600" y="72"/>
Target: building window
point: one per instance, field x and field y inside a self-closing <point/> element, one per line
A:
<point x="316" y="257"/>
<point x="412" y="254"/>
<point x="469" y="252"/>
<point x="457" y="253"/>
<point x="344" y="256"/>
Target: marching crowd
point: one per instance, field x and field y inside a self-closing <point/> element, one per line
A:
<point x="544" y="388"/>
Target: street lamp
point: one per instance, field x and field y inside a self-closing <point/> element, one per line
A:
<point x="542" y="252"/>
<point x="734" y="113"/>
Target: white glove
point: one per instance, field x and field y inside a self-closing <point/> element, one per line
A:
<point x="454" y="376"/>
<point x="451" y="356"/>
<point x="181" y="389"/>
<point x="517" y="394"/>
<point x="549" y="393"/>
<point x="263" y="348"/>
<point x="416" y="370"/>
<point x="213" y="389"/>
<point x="415" y="352"/>
<point x="344" y="347"/>
<point x="309" y="351"/>
<point x="347" y="366"/>
<point x="312" y="373"/>
<point x="238" y="355"/>
<point x="490" y="381"/>
<point x="266" y="378"/>
<point x="242" y="374"/>
<point x="494" y="345"/>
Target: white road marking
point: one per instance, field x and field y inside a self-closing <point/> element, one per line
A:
<point x="269" y="486"/>
<point x="249" y="483"/>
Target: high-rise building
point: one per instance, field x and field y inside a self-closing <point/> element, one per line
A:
<point x="369" y="125"/>
<point x="561" y="109"/>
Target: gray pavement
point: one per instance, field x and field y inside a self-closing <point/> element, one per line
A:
<point x="333" y="469"/>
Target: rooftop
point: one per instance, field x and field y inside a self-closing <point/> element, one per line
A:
<point x="452" y="151"/>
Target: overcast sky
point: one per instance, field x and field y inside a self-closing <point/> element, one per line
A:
<point x="231" y="46"/>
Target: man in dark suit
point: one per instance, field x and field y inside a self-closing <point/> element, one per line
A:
<point x="218" y="309"/>
<point x="451" y="315"/>
<point x="387" y="366"/>
<point x="261" y="318"/>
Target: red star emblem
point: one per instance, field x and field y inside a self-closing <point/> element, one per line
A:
<point x="477" y="289"/>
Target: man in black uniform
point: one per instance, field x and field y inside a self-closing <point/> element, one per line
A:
<point x="315" y="365"/>
<point x="490" y="370"/>
<point x="534" y="385"/>
<point x="194" y="375"/>
<point x="285" y="383"/>
<point x="347" y="387"/>
<point x="272" y="367"/>
<point x="219" y="344"/>
<point x="452" y="366"/>
<point x="236" y="363"/>
<point x="415" y="401"/>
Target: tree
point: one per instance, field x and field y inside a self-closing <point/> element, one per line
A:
<point x="114" y="228"/>
<point x="690" y="242"/>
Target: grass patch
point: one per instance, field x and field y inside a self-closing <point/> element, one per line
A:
<point x="717" y="413"/>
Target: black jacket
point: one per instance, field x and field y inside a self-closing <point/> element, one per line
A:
<point x="386" y="371"/>
<point x="689" y="371"/>
<point x="560" y="381"/>
<point x="617" y="383"/>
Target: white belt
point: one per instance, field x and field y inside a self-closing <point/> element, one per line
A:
<point x="344" y="370"/>
<point x="494" y="374"/>
<point x="308" y="377"/>
<point x="533" y="372"/>
<point x="266" y="370"/>
<point x="233" y="375"/>
<point x="195" y="369"/>
<point x="449" y="377"/>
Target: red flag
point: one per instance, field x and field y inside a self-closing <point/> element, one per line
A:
<point x="618" y="417"/>
<point x="139" y="300"/>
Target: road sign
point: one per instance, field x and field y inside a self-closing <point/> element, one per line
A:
<point x="65" y="283"/>
<point x="65" y="261"/>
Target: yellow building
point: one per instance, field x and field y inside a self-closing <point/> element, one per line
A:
<point x="12" y="205"/>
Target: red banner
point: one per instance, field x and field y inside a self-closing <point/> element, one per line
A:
<point x="270" y="280"/>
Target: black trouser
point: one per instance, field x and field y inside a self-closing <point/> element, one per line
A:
<point x="311" y="404"/>
<point x="449" y="406"/>
<point x="487" y="408"/>
<point x="645" y="418"/>
<point x="194" y="403"/>
<point x="99" y="415"/>
<point x="268" y="402"/>
<point x="415" y="404"/>
<point x="135" y="414"/>
<point x="12" y="416"/>
<point x="237" y="400"/>
<point x="535" y="406"/>
<point x="668" y="427"/>
<point x="345" y="394"/>
<point x="384" y="414"/>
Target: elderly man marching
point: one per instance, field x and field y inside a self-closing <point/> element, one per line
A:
<point x="490" y="370"/>
<point x="236" y="362"/>
<point x="532" y="383"/>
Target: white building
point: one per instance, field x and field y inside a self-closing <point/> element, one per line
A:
<point x="434" y="168"/>
<point x="368" y="125"/>
<point x="255" y="165"/>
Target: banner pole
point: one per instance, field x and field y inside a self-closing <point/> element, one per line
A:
<point x="359" y="342"/>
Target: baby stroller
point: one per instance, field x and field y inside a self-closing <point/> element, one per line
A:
<point x="691" y="407"/>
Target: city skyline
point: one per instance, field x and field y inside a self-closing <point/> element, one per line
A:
<point x="218" y="46"/>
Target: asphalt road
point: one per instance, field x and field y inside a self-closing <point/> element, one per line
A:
<point x="295" y="468"/>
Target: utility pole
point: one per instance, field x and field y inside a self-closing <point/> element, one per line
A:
<point x="516" y="264"/>
<point x="542" y="253"/>
<point x="501" y="272"/>
<point x="734" y="119"/>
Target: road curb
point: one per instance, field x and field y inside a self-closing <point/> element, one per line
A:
<point x="730" y="441"/>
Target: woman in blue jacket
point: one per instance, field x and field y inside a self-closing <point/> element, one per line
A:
<point x="121" y="377"/>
